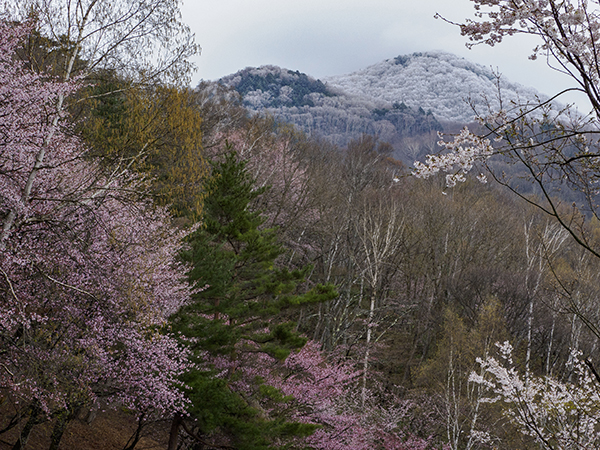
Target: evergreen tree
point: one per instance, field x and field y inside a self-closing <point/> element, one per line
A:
<point x="235" y="316"/>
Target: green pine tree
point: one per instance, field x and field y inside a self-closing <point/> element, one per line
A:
<point x="236" y="308"/>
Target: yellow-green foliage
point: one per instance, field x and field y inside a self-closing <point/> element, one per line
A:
<point x="151" y="130"/>
<point x="458" y="346"/>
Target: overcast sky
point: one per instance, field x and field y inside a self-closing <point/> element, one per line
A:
<point x="335" y="37"/>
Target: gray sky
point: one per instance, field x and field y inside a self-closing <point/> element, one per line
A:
<point x="334" y="37"/>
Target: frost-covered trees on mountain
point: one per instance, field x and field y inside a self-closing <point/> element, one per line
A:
<point x="439" y="82"/>
<point x="397" y="99"/>
<point x="279" y="87"/>
<point x="322" y="110"/>
<point x="444" y="84"/>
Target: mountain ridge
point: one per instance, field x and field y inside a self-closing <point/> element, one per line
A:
<point x="439" y="81"/>
<point x="406" y="97"/>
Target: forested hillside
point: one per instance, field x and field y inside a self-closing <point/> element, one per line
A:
<point x="182" y="269"/>
<point x="452" y="88"/>
<point x="403" y="101"/>
<point x="327" y="112"/>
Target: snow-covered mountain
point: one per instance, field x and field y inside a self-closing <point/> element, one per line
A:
<point x="397" y="99"/>
<point x="441" y="82"/>
<point x="328" y="112"/>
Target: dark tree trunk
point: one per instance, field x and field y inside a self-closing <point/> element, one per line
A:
<point x="174" y="435"/>
<point x="14" y="421"/>
<point x="34" y="419"/>
<point x="63" y="418"/>
<point x="137" y="435"/>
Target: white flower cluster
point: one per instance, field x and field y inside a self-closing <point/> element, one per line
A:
<point x="544" y="407"/>
<point x="462" y="153"/>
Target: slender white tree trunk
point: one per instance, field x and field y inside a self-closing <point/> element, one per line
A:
<point x="367" y="350"/>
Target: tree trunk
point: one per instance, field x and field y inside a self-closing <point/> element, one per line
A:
<point x="550" y="344"/>
<point x="34" y="419"/>
<point x="367" y="350"/>
<point x="62" y="420"/>
<point x="174" y="434"/>
<point x="133" y="440"/>
<point x="529" y="330"/>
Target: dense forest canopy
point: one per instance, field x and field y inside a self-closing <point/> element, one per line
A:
<point x="193" y="271"/>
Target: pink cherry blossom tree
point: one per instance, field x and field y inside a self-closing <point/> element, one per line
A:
<point x="324" y="390"/>
<point x="87" y="270"/>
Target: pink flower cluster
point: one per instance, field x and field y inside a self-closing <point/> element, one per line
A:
<point x="317" y="388"/>
<point x="87" y="270"/>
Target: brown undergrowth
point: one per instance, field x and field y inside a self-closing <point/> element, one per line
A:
<point x="110" y="430"/>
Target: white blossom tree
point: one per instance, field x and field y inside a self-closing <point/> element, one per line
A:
<point x="558" y="415"/>
<point x="554" y="148"/>
<point x="537" y="147"/>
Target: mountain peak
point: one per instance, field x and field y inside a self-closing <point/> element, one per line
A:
<point x="396" y="99"/>
<point x="273" y="87"/>
<point x="448" y="85"/>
